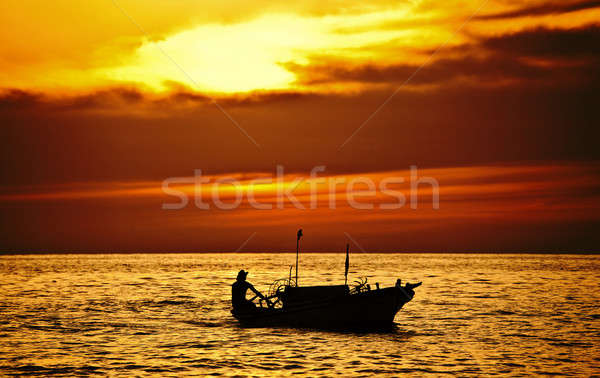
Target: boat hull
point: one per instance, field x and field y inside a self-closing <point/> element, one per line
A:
<point x="370" y="309"/>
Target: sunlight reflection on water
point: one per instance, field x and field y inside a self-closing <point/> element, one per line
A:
<point x="168" y="314"/>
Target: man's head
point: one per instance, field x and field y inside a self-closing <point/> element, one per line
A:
<point x="242" y="275"/>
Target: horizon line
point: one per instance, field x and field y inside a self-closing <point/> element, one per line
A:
<point x="39" y="253"/>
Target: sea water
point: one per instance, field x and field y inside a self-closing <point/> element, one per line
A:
<point x="168" y="315"/>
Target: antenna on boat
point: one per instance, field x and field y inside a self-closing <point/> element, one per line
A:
<point x="347" y="264"/>
<point x="299" y="235"/>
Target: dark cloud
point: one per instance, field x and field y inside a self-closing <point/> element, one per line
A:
<point x="496" y="104"/>
<point x="540" y="56"/>
<point x="118" y="97"/>
<point x="15" y="99"/>
<point x="570" y="44"/>
<point x="569" y="57"/>
<point x="546" y="8"/>
<point x="494" y="68"/>
<point x="551" y="7"/>
<point x="454" y="125"/>
<point x="127" y="100"/>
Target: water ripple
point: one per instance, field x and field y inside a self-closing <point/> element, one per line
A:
<point x="168" y="315"/>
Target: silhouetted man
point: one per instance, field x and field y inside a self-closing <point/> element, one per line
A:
<point x="238" y="293"/>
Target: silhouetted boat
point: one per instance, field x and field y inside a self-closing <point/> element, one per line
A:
<point x="335" y="307"/>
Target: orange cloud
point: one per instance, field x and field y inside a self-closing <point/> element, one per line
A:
<point x="505" y="196"/>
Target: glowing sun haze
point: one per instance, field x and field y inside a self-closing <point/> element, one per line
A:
<point x="229" y="53"/>
<point x="239" y="47"/>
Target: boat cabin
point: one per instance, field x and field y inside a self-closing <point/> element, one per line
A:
<point x="295" y="296"/>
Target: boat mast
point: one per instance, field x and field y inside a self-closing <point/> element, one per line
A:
<point x="347" y="265"/>
<point x="299" y="235"/>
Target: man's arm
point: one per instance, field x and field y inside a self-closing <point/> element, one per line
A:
<point x="255" y="291"/>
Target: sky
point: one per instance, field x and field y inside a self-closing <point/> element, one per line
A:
<point x="110" y="110"/>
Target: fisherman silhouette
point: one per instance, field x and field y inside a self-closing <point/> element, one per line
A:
<point x="323" y="306"/>
<point x="238" y="293"/>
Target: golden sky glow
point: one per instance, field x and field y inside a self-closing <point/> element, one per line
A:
<point x="102" y="100"/>
<point x="84" y="46"/>
<point x="482" y="195"/>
